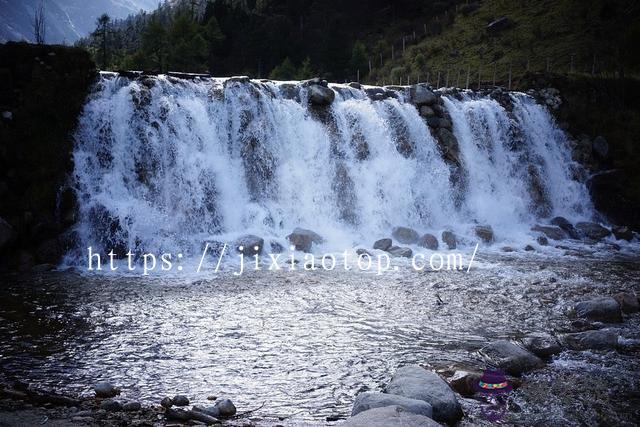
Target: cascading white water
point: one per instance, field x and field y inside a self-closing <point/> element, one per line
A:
<point x="164" y="164"/>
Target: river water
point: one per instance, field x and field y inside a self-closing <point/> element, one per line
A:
<point x="301" y="345"/>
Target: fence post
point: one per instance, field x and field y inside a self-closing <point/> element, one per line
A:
<point x="428" y="75"/>
<point x="458" y="80"/>
<point x="425" y="29"/>
<point x="358" y="75"/>
<point x="414" y="35"/>
<point x="468" y="75"/>
<point x="446" y="82"/>
<point x="418" y="79"/>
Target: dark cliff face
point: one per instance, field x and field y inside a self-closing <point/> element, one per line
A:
<point x="42" y="91"/>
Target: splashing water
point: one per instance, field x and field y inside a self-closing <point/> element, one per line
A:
<point x="163" y="164"/>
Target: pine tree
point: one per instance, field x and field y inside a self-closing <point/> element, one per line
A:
<point x="102" y="34"/>
<point x="284" y="71"/>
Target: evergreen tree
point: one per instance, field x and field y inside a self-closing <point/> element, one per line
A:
<point x="188" y="50"/>
<point x="154" y="45"/>
<point x="102" y="34"/>
<point x="284" y="71"/>
<point x="359" y="61"/>
<point x="305" y="71"/>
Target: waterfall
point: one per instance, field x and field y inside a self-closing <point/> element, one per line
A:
<point x="163" y="164"/>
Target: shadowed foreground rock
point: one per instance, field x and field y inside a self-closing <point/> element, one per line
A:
<point x="389" y="416"/>
<point x="511" y="358"/>
<point x="366" y="401"/>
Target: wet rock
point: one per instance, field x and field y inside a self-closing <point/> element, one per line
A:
<point x="405" y="235"/>
<point x="382" y="244"/>
<point x="225" y="407"/>
<point x="542" y="345"/>
<point x="389" y="416"/>
<point x="426" y="111"/>
<point x="511" y="358"/>
<point x="180" y="400"/>
<point x="602" y="339"/>
<point x="484" y="232"/>
<point x="276" y="248"/>
<point x="414" y="382"/>
<point x="6" y="233"/>
<point x="370" y="400"/>
<point x="628" y="302"/>
<point x="202" y="417"/>
<point x="238" y="79"/>
<point x="448" y="144"/>
<point x="542" y="241"/>
<point x="604" y="309"/>
<point x="83" y="420"/>
<point x="212" y="411"/>
<point x="355" y="85"/>
<point x="398" y="251"/>
<point x="289" y="91"/>
<point x="620" y="233"/>
<point x="449" y="239"/>
<point x="105" y="389"/>
<point x="422" y="95"/>
<point x="428" y="241"/>
<point x="249" y="243"/>
<point x="507" y="249"/>
<point x="439" y="122"/>
<point x="303" y="239"/>
<point x="529" y="248"/>
<point x="166" y="402"/>
<point x="564" y="224"/>
<point x="600" y="146"/>
<point x="379" y="94"/>
<point x="320" y="95"/>
<point x="111" y="405"/>
<point x="592" y="230"/>
<point x="361" y="251"/>
<point x="464" y="382"/>
<point x="552" y="232"/>
<point x="132" y="406"/>
<point x="177" y="414"/>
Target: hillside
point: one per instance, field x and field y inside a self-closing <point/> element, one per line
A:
<point x="559" y="36"/>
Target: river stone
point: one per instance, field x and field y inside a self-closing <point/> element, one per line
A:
<point x="105" y="389"/>
<point x="177" y="414"/>
<point x="601" y="339"/>
<point x="180" y="400"/>
<point x="620" y="232"/>
<point x="541" y="344"/>
<point x="414" y="382"/>
<point x="628" y="302"/>
<point x="421" y="95"/>
<point x="428" y="241"/>
<point x="542" y="240"/>
<point x="405" y="235"/>
<point x="529" y="248"/>
<point x="370" y="400"/>
<point x="382" y="244"/>
<point x="448" y="143"/>
<point x="389" y="416"/>
<point x="6" y="233"/>
<point x="592" y="230"/>
<point x="320" y="95"/>
<point x="400" y="251"/>
<point x="132" y="406"/>
<point x="166" y="402"/>
<point x="426" y="111"/>
<point x="303" y="239"/>
<point x="564" y="224"/>
<point x="225" y="407"/>
<point x="484" y="232"/>
<point x="464" y="382"/>
<point x="202" y="417"/>
<point x="552" y="232"/>
<point x="111" y="405"/>
<point x="603" y="309"/>
<point x="212" y="411"/>
<point x="449" y="239"/>
<point x="249" y="242"/>
<point x="511" y="358"/>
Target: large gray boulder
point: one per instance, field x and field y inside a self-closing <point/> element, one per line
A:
<point x="592" y="230"/>
<point x="603" y="309"/>
<point x="428" y="241"/>
<point x="564" y="224"/>
<point x="405" y="235"/>
<point x="105" y="389"/>
<point x="511" y="358"/>
<point x="541" y="344"/>
<point x="248" y="243"/>
<point x="382" y="244"/>
<point x="622" y="233"/>
<point x="370" y="400"/>
<point x="628" y="302"/>
<point x="601" y="339"/>
<point x="414" y="382"/>
<point x="552" y="232"/>
<point x="484" y="232"/>
<point x="389" y="416"/>
<point x="320" y="95"/>
<point x="399" y="251"/>
<point x="449" y="239"/>
<point x="448" y="144"/>
<point x="422" y="95"/>
<point x="303" y="239"/>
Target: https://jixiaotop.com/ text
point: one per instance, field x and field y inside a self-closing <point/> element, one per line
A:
<point x="240" y="260"/>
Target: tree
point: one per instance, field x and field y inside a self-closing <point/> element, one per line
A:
<point x="188" y="48"/>
<point x="154" y="45"/>
<point x="39" y="27"/>
<point x="102" y="34"/>
<point x="305" y="71"/>
<point x="359" y="61"/>
<point x="284" y="71"/>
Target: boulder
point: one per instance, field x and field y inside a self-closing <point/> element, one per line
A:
<point x="166" y="402"/>
<point x="564" y="224"/>
<point x="389" y="416"/>
<point x="449" y="239"/>
<point x="177" y="414"/>
<point x="111" y="405"/>
<point x="6" y="233"/>
<point x="405" y="235"/>
<point x="439" y="122"/>
<point x="105" y="389"/>
<point x="180" y="400"/>
<point x="426" y="111"/>
<point x="248" y="243"/>
<point x="320" y="95"/>
<point x="628" y="302"/>
<point x="132" y="406"/>
<point x="464" y="382"/>
<point x="511" y="358"/>
<point x="600" y="146"/>
<point x="238" y="79"/>
<point x="428" y="241"/>
<point x="370" y="400"/>
<point x="202" y="417"/>
<point x="484" y="232"/>
<point x="225" y="407"/>
<point x="601" y="339"/>
<point x="414" y="382"/>
<point x="620" y="233"/>
<point x="542" y="345"/>
<point x="529" y="248"/>
<point x="603" y="309"/>
<point x="382" y="244"/>
<point x="507" y="249"/>
<point x="398" y="251"/>
<point x="422" y="95"/>
<point x="355" y="85"/>
<point x="303" y="239"/>
<point x="362" y="251"/>
<point x="592" y="230"/>
<point x="542" y="240"/>
<point x="552" y="232"/>
<point x="448" y="144"/>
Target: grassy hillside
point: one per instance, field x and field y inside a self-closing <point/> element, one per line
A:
<point x="602" y="36"/>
